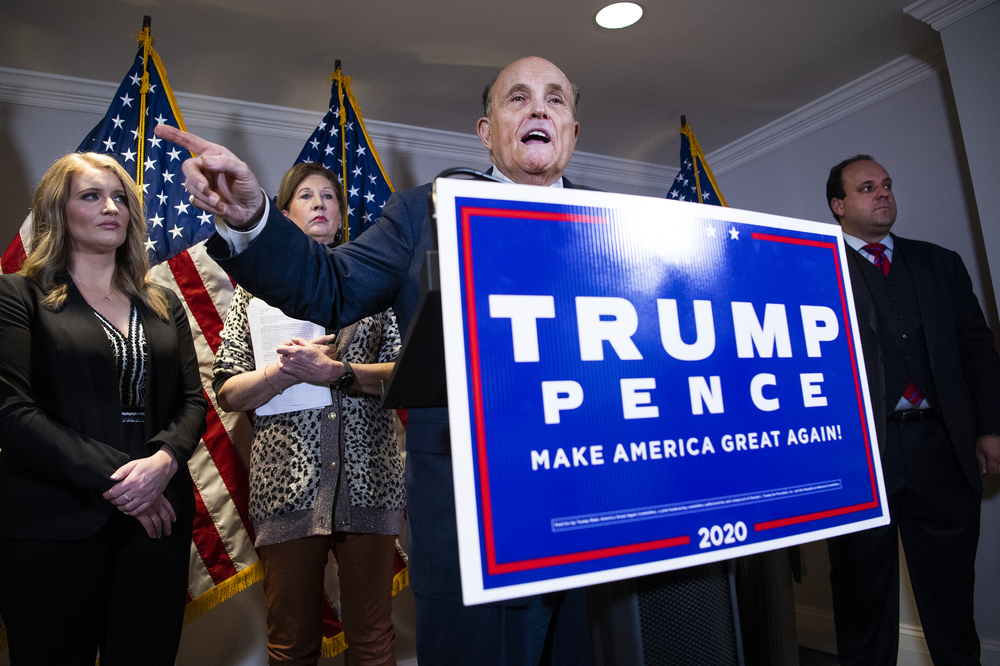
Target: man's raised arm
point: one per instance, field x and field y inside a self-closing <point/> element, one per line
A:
<point x="218" y="181"/>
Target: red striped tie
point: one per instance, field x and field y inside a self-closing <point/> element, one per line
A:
<point x="913" y="395"/>
<point x="878" y="251"/>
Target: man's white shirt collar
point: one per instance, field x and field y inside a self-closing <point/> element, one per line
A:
<point x="499" y="174"/>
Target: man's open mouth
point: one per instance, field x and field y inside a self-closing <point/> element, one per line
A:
<point x="536" y="136"/>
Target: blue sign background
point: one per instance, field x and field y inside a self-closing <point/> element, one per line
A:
<point x="542" y="523"/>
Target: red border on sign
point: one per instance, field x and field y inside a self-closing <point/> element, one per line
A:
<point x="492" y="566"/>
<point x="819" y="515"/>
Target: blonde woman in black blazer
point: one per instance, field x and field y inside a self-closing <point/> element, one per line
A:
<point x="101" y="406"/>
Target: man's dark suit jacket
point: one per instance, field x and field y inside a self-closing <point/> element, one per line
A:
<point x="290" y="271"/>
<point x="61" y="433"/>
<point x="960" y="345"/>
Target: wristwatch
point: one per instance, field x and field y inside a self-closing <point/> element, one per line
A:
<point x="347" y="378"/>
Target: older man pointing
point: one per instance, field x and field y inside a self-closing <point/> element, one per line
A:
<point x="530" y="129"/>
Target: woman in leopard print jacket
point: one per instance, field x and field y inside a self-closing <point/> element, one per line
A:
<point x="319" y="475"/>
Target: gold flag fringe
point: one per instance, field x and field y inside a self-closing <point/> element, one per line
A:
<point x="224" y="590"/>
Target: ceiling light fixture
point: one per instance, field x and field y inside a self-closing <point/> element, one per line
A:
<point x="619" y="15"/>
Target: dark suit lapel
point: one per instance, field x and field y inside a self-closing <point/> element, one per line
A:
<point x="918" y="267"/>
<point x="864" y="305"/>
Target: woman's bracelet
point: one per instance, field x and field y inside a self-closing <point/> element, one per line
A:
<point x="269" y="384"/>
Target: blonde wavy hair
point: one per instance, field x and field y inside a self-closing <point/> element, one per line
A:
<point x="50" y="239"/>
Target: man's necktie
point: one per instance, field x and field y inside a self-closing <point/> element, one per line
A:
<point x="878" y="251"/>
<point x="913" y="395"/>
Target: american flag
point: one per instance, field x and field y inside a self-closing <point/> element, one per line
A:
<point x="223" y="560"/>
<point x="366" y="189"/>
<point x="695" y="181"/>
<point x="342" y="133"/>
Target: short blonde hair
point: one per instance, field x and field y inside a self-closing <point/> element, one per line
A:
<point x="50" y="239"/>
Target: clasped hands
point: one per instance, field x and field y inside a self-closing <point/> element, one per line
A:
<point x="139" y="491"/>
<point x="310" y="360"/>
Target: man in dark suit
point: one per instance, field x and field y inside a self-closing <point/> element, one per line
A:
<point x="934" y="380"/>
<point x="530" y="129"/>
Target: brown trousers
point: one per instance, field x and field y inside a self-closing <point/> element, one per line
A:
<point x="293" y="584"/>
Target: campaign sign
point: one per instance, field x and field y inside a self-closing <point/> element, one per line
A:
<point x="637" y="385"/>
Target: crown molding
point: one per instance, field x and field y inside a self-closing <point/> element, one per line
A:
<point x="86" y="95"/>
<point x="942" y="13"/>
<point x="877" y="85"/>
<point x="53" y="91"/>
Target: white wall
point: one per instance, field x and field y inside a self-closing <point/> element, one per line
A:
<point x="915" y="135"/>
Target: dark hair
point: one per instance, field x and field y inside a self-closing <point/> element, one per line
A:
<point x="835" y="183"/>
<point x="294" y="177"/>
<point x="488" y="96"/>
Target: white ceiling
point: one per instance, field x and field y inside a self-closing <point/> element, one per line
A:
<point x="731" y="66"/>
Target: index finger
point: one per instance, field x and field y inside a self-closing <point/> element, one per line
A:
<point x="192" y="142"/>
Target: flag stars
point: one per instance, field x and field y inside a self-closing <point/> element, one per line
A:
<point x="321" y="126"/>
<point x="329" y="150"/>
<point x="176" y="232"/>
<point x="168" y="177"/>
<point x="315" y="144"/>
<point x="705" y="196"/>
<point x="205" y="217"/>
<point x="150" y="244"/>
<point x="373" y="178"/>
<point x="152" y="88"/>
<point x="126" y="100"/>
<point x="674" y="194"/>
<point x="160" y="120"/>
<point x="370" y="197"/>
<point x="734" y="234"/>
<point x="353" y="192"/>
<point x="154" y="142"/>
<point x="357" y="171"/>
<point x="174" y="154"/>
<point x="182" y="208"/>
<point x="109" y="144"/>
<point x="149" y="164"/>
<point x="360" y="151"/>
<point x="366" y="218"/>
<point x="163" y="198"/>
<point x="156" y="221"/>
<point x="350" y="126"/>
<point x="135" y="79"/>
<point x="135" y="134"/>
<point x="119" y="123"/>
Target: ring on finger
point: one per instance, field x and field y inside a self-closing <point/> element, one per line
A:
<point x="125" y="495"/>
<point x="191" y="199"/>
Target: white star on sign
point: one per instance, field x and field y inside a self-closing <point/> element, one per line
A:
<point x="181" y="208"/>
<point x="176" y="232"/>
<point x="710" y="231"/>
<point x="734" y="234"/>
